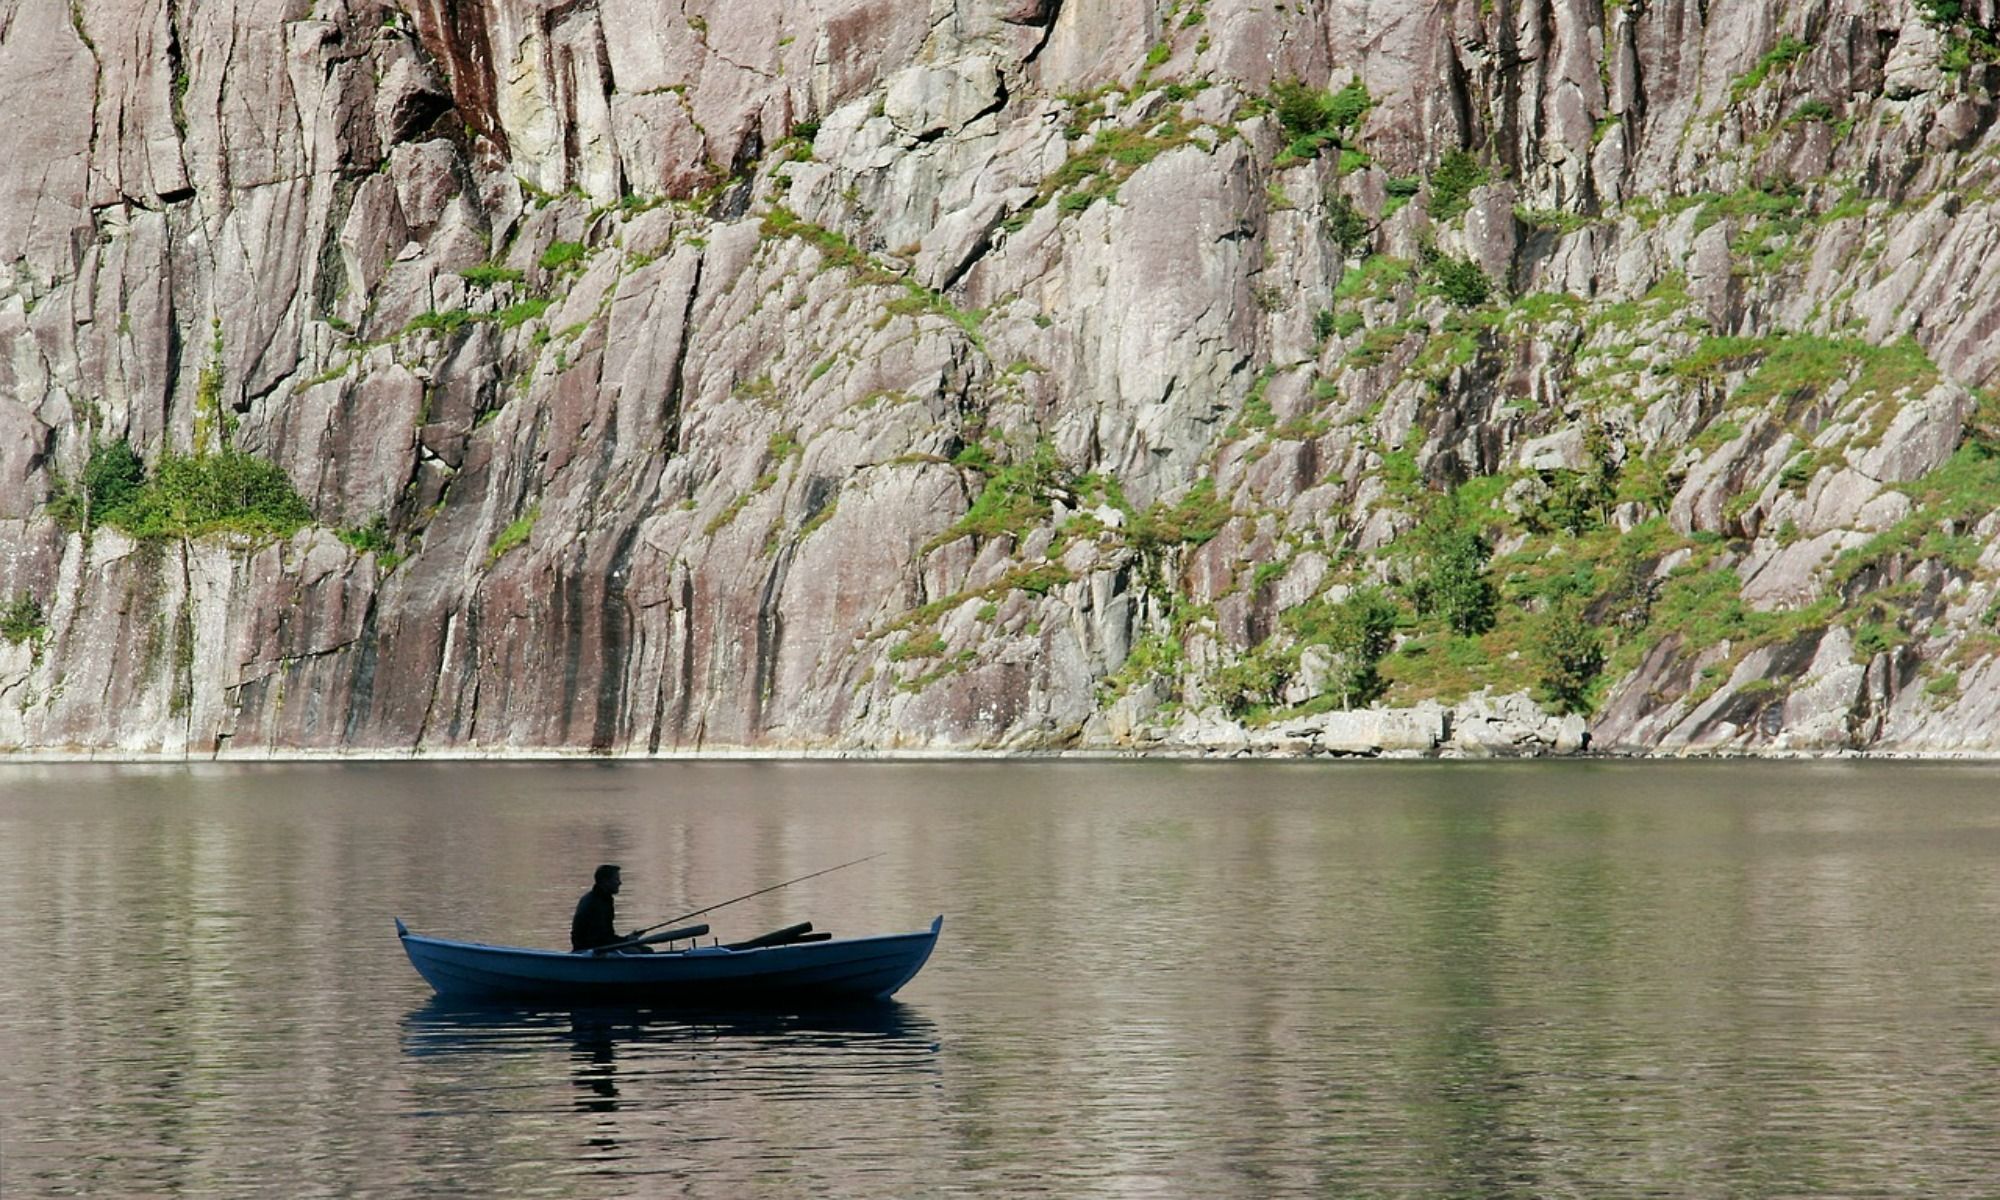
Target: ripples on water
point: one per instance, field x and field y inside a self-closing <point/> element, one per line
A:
<point x="1747" y="980"/>
<point x="625" y="1083"/>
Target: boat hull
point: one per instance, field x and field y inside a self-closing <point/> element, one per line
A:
<point x="834" y="971"/>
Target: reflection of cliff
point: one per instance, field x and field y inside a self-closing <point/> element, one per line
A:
<point x="1185" y="978"/>
<point x="822" y="375"/>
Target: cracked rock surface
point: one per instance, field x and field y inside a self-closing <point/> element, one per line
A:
<point x="1004" y="374"/>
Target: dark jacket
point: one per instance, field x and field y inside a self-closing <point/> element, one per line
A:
<point x="594" y="922"/>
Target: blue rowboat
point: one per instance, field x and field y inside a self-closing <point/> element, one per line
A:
<point x="812" y="972"/>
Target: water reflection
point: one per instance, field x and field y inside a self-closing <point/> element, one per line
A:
<point x="1155" y="980"/>
<point x="642" y="1088"/>
<point x="440" y="1026"/>
<point x="619" y="1058"/>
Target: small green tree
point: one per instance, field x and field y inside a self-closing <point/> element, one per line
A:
<point x="1580" y="501"/>
<point x="1461" y="281"/>
<point x="1569" y="652"/>
<point x="1359" y="636"/>
<point x="1254" y="679"/>
<point x="1451" y="582"/>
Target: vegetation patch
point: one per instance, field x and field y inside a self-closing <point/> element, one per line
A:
<point x="1457" y="174"/>
<point x="516" y="534"/>
<point x="1966" y="41"/>
<point x="491" y="275"/>
<point x="226" y="491"/>
<point x="1569" y="653"/>
<point x="373" y="538"/>
<point x="1015" y="497"/>
<point x="1346" y="225"/>
<point x="1313" y="119"/>
<point x="1778" y="58"/>
<point x="1460" y="281"/>
<point x="440" y="322"/>
<point x="1785" y="367"/>
<point x="924" y="643"/>
<point x="1190" y="521"/>
<point x="1449" y="579"/>
<point x="521" y="312"/>
<point x="1094" y="173"/>
<point x="22" y="620"/>
<point x="564" y="256"/>
<point x="836" y="251"/>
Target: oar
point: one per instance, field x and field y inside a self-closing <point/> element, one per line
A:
<point x="671" y="935"/>
<point x="760" y="891"/>
<point x="777" y="937"/>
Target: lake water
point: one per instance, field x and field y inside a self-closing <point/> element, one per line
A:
<point x="1155" y="979"/>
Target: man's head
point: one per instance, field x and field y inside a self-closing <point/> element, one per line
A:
<point x="607" y="878"/>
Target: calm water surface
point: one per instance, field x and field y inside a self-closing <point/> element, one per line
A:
<point x="1155" y="980"/>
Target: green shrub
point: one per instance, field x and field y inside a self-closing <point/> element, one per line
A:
<point x="1195" y="519"/>
<point x="22" y="620"/>
<point x="111" y="480"/>
<point x="1253" y="680"/>
<point x="1345" y="108"/>
<point x="442" y="322"/>
<point x="1015" y="497"/>
<point x="225" y="492"/>
<point x="1451" y="185"/>
<point x="1580" y="501"/>
<point x="1966" y="41"/>
<point x="1461" y="281"/>
<point x="1302" y="110"/>
<point x="923" y="643"/>
<point x="1345" y="224"/>
<point x="1576" y="503"/>
<point x="1311" y="118"/>
<point x="1780" y="57"/>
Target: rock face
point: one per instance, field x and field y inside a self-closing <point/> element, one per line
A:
<point x="1003" y="374"/>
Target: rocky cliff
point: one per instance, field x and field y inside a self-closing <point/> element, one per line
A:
<point x="673" y="374"/>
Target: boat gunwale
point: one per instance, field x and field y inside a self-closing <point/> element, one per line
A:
<point x="404" y="933"/>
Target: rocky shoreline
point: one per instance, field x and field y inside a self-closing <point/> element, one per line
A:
<point x="1508" y="727"/>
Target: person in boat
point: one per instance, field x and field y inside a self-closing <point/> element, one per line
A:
<point x="596" y="921"/>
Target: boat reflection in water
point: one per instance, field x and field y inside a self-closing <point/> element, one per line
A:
<point x="650" y="1062"/>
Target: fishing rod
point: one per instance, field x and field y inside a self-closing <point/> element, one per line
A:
<point x="747" y="895"/>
